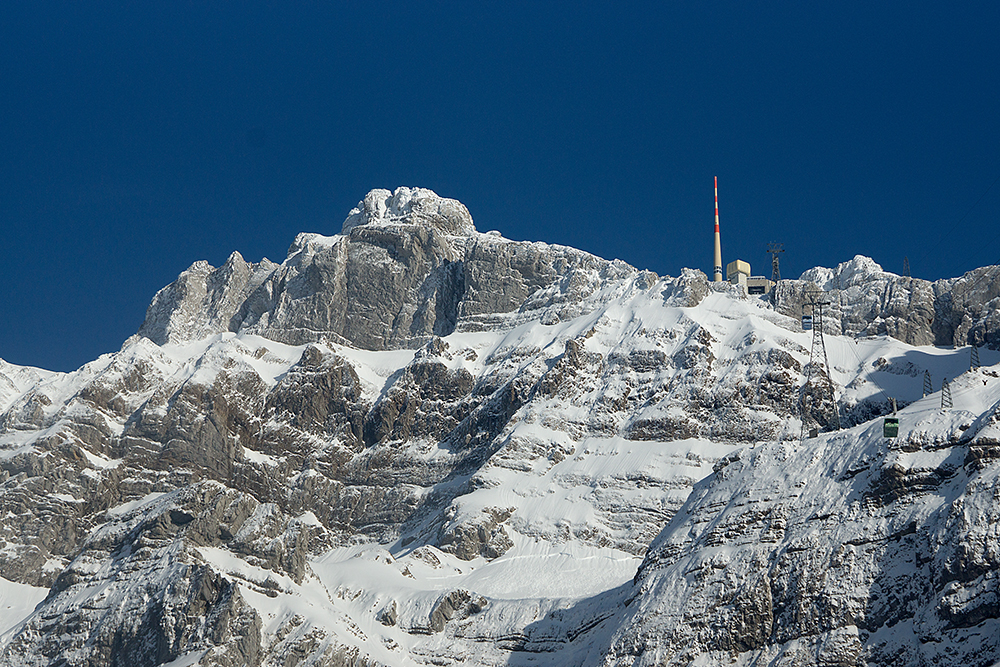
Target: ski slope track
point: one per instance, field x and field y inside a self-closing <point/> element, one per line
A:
<point x="412" y="443"/>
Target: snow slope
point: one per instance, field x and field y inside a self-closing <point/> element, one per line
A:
<point x="15" y="380"/>
<point x="16" y="602"/>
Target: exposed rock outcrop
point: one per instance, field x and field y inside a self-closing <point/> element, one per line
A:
<point x="150" y="594"/>
<point x="406" y="266"/>
<point x="203" y="300"/>
<point x="872" y="552"/>
<point x="867" y="301"/>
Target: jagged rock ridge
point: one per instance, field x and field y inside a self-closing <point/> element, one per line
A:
<point x="867" y="301"/>
<point x="406" y="266"/>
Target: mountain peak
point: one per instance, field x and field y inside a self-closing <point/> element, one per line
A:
<point x="411" y="206"/>
<point x="855" y="271"/>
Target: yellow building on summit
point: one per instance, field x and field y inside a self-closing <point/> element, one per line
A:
<point x="738" y="273"/>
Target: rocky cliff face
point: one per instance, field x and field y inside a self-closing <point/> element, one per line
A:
<point x="393" y="446"/>
<point x="850" y="549"/>
<point x="405" y="267"/>
<point x="864" y="300"/>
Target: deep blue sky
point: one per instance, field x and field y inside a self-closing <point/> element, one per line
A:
<point x="136" y="138"/>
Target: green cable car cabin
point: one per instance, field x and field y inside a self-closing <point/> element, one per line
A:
<point x="890" y="427"/>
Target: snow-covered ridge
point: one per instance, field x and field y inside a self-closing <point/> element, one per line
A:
<point x="408" y="265"/>
<point x="857" y="271"/>
<point x="15" y="380"/>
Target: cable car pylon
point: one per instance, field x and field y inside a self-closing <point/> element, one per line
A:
<point x="814" y="369"/>
<point x="774" y="249"/>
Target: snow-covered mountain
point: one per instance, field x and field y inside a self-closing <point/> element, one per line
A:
<point x="414" y="443"/>
<point x="845" y="549"/>
<point x="15" y="380"/>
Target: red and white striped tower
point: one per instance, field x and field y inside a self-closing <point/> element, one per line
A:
<point x="717" y="268"/>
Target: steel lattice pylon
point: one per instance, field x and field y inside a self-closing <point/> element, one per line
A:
<point x="818" y="350"/>
<point x="774" y="249"/>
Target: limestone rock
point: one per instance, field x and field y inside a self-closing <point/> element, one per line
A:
<point x="202" y="300"/>
<point x="406" y="266"/>
<point x="482" y="536"/>
<point x="867" y="301"/>
<point x="140" y="592"/>
<point x="455" y="606"/>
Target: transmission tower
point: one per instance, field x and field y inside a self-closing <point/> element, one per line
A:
<point x="928" y="387"/>
<point x="815" y="369"/>
<point x="906" y="266"/>
<point x="945" y="394"/>
<point x="774" y="249"/>
<point x="974" y="363"/>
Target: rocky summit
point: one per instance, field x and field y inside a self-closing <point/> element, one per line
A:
<point x="412" y="443"/>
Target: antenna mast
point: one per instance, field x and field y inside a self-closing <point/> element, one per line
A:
<point x="717" y="266"/>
